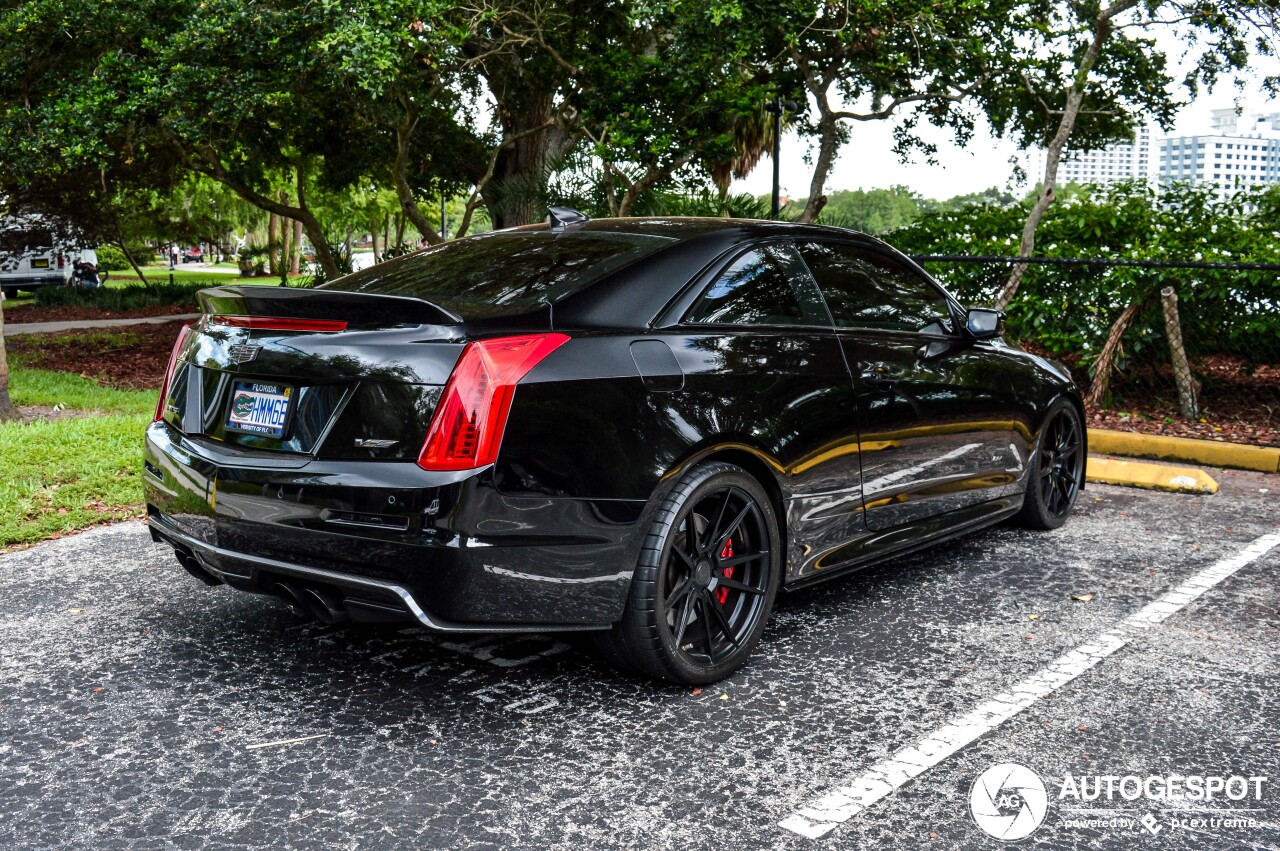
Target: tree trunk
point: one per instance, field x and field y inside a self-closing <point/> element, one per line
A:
<point x="399" y="230"/>
<point x="651" y="178"/>
<point x="283" y="244"/>
<point x="400" y="176"/>
<point x="273" y="239"/>
<point x="295" y="262"/>
<point x="1102" y="29"/>
<point x="1102" y="369"/>
<point x="1188" y="387"/>
<point x="124" y="249"/>
<point x="373" y="230"/>
<point x="8" y="411"/>
<point x="828" y="142"/>
<point x="516" y="191"/>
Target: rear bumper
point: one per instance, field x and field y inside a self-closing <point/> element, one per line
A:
<point x="256" y="573"/>
<point x="450" y="552"/>
<point x="33" y="279"/>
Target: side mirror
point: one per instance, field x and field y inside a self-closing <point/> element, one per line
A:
<point x="984" y="323"/>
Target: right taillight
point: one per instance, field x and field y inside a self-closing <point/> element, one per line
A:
<point x="466" y="430"/>
<point x="168" y="373"/>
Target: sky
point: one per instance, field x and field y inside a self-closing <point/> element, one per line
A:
<point x="868" y="161"/>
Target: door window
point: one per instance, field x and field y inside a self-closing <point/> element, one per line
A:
<point x="867" y="289"/>
<point x="766" y="286"/>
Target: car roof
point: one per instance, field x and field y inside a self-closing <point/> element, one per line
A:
<point x="642" y="290"/>
<point x="690" y="227"/>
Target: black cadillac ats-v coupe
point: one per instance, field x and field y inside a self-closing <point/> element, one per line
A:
<point x="640" y="427"/>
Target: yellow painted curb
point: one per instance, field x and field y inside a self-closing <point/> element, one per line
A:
<point x="1140" y="474"/>
<point x="1185" y="449"/>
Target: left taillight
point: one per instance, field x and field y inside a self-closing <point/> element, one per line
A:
<point x="466" y="430"/>
<point x="168" y="373"/>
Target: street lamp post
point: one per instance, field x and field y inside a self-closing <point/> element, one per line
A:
<point x="776" y="107"/>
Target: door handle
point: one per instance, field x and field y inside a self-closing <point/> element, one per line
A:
<point x="879" y="375"/>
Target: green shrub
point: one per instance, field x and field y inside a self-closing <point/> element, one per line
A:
<point x="111" y="259"/>
<point x="123" y="298"/>
<point x="1070" y="309"/>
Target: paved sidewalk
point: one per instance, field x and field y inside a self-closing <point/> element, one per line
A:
<point x="13" y="330"/>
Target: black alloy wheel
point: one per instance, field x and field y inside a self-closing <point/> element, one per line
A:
<point x="715" y="576"/>
<point x="1060" y="464"/>
<point x="706" y="580"/>
<point x="1058" y="469"/>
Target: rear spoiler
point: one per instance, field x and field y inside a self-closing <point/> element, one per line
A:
<point x="302" y="303"/>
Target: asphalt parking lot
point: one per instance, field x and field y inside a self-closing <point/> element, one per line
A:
<point x="140" y="709"/>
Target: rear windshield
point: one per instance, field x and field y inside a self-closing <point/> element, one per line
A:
<point x="504" y="273"/>
<point x="25" y="240"/>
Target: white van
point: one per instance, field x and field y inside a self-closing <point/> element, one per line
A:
<point x="33" y="254"/>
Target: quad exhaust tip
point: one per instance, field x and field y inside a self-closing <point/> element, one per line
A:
<point x="324" y="606"/>
<point x="305" y="601"/>
<point x="318" y="603"/>
<point x="192" y="566"/>
<point x="291" y="596"/>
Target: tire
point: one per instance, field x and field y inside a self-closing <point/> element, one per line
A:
<point x="699" y="591"/>
<point x="1057" y="469"/>
<point x="10" y="292"/>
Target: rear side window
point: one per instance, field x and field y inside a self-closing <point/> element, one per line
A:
<point x="32" y="239"/>
<point x="504" y="273"/>
<point x="766" y="286"/>
<point x="867" y="289"/>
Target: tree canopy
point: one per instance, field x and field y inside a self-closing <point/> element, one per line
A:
<point x="328" y="113"/>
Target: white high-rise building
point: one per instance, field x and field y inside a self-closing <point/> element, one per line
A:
<point x="1241" y="152"/>
<point x="1120" y="161"/>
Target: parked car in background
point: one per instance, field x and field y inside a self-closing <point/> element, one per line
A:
<point x="193" y="255"/>
<point x="645" y="428"/>
<point x="34" y="254"/>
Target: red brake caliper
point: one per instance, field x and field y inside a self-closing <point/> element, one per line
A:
<point x="723" y="594"/>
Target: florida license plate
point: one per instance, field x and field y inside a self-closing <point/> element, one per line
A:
<point x="39" y="264"/>
<point x="259" y="408"/>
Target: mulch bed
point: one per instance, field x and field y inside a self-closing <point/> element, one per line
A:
<point x="1239" y="401"/>
<point x="1242" y="431"/>
<point x="133" y="357"/>
<point x="74" y="313"/>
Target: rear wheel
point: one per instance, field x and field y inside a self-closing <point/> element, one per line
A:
<point x="1057" y="469"/>
<point x="10" y="292"/>
<point x="706" y="580"/>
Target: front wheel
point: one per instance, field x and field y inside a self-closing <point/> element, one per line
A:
<point x="1057" y="469"/>
<point x="705" y="582"/>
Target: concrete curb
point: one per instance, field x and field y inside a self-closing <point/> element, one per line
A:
<point x="1140" y="474"/>
<point x="1212" y="452"/>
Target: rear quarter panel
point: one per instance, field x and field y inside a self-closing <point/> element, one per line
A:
<point x="584" y="424"/>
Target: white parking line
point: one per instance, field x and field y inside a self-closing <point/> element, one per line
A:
<point x="822" y="815"/>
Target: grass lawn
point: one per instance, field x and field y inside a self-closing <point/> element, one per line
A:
<point x="59" y="475"/>
<point x="160" y="275"/>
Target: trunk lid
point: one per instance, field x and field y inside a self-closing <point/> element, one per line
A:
<point x="315" y="373"/>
